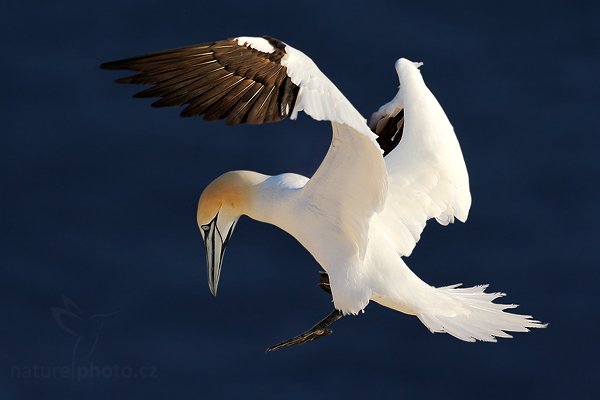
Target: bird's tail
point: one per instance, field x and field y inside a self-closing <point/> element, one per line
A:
<point x="470" y="314"/>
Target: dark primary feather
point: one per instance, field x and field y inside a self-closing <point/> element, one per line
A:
<point x="389" y="132"/>
<point x="225" y="80"/>
<point x="220" y="80"/>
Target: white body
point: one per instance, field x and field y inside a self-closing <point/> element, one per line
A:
<point x="360" y="213"/>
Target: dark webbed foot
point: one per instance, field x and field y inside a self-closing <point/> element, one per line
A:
<point x="318" y="331"/>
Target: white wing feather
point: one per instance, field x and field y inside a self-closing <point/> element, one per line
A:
<point x="318" y="96"/>
<point x="350" y="184"/>
<point x="427" y="173"/>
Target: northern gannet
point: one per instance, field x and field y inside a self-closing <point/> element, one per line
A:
<point x="360" y="213"/>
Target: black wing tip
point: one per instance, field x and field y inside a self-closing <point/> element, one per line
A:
<point x="114" y="65"/>
<point x="187" y="114"/>
<point x="278" y="44"/>
<point x="283" y="96"/>
<point x="125" y="80"/>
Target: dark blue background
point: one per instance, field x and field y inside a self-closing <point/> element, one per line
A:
<point x="99" y="198"/>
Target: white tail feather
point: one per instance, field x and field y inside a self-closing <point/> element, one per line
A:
<point x="471" y="315"/>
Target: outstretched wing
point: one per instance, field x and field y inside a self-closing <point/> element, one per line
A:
<point x="350" y="184"/>
<point x="426" y="171"/>
<point x="347" y="189"/>
<point x="257" y="80"/>
<point x="240" y="79"/>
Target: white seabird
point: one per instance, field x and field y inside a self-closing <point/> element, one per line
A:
<point x="360" y="213"/>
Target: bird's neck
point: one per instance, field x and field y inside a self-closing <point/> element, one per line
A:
<point x="273" y="200"/>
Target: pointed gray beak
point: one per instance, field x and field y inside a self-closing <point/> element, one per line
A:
<point x="215" y="244"/>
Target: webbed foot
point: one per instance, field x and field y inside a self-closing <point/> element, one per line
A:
<point x="316" y="332"/>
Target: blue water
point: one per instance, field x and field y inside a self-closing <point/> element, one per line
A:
<point x="103" y="289"/>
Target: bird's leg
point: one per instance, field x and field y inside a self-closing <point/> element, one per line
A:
<point x="320" y="329"/>
<point x="324" y="282"/>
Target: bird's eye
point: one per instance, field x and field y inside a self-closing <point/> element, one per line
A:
<point x="205" y="228"/>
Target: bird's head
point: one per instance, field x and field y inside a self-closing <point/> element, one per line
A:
<point x="221" y="204"/>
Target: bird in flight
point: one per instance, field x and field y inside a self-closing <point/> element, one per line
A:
<point x="364" y="208"/>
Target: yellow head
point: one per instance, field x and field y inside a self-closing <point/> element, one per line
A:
<point x="221" y="204"/>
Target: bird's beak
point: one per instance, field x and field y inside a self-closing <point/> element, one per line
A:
<point x="215" y="244"/>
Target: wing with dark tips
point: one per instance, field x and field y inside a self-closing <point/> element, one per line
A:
<point x="219" y="80"/>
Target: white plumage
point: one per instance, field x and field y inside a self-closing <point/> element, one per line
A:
<point x="427" y="173"/>
<point x="360" y="213"/>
